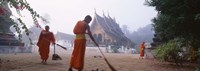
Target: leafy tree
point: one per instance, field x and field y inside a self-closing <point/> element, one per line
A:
<point x="19" y="5"/>
<point x="177" y="19"/>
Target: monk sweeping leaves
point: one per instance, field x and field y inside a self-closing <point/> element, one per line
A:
<point x="46" y="37"/>
<point x="77" y="59"/>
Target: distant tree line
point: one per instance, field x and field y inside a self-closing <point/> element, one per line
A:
<point x="143" y="34"/>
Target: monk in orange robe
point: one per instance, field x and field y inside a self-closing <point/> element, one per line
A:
<point x="142" y="47"/>
<point x="80" y="29"/>
<point x="46" y="37"/>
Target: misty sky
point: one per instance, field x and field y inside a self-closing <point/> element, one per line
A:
<point x="65" y="13"/>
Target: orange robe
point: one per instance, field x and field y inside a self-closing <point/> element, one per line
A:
<point x="77" y="59"/>
<point x="44" y="41"/>
<point x="142" y="47"/>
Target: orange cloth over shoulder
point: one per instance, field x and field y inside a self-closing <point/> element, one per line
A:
<point x="77" y="59"/>
<point x="80" y="27"/>
<point x="44" y="41"/>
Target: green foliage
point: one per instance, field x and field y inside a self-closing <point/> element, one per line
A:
<point x="197" y="69"/>
<point x="168" y="50"/>
<point x="198" y="53"/>
<point x="115" y="50"/>
<point x="20" y="5"/>
<point x="164" y="27"/>
<point x="177" y="18"/>
<point x="197" y="17"/>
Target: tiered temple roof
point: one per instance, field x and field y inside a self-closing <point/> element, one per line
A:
<point x="110" y="27"/>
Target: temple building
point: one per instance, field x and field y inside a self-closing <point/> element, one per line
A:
<point x="108" y="32"/>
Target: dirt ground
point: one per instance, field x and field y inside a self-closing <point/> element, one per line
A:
<point x="121" y="62"/>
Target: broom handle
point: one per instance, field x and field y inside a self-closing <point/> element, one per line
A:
<point x="65" y="48"/>
<point x="110" y="66"/>
<point x="101" y="53"/>
<point x="57" y="44"/>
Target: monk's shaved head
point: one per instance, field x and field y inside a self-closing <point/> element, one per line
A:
<point x="88" y="18"/>
<point x="47" y="28"/>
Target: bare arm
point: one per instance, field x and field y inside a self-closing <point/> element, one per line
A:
<point x="90" y="34"/>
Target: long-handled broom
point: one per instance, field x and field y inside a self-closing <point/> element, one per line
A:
<point x="56" y="56"/>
